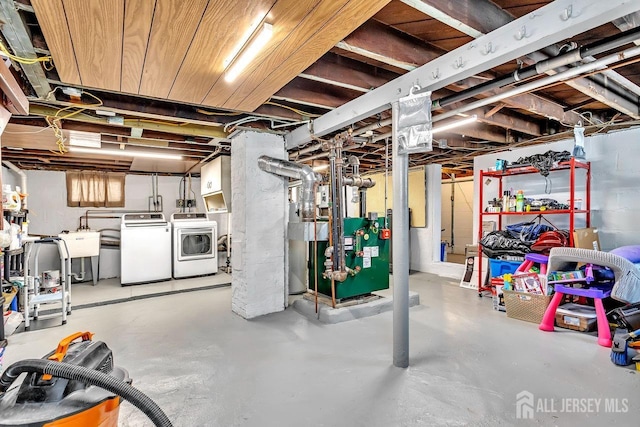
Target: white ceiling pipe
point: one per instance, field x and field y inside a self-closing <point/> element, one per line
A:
<point x="23" y="180"/>
<point x="528" y="87"/>
<point x="377" y="125"/>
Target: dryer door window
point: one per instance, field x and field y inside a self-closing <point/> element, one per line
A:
<point x="196" y="244"/>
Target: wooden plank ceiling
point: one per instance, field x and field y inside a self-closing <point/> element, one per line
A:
<point x="159" y="65"/>
<point x="162" y="49"/>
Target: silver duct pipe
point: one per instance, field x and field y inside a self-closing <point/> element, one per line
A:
<point x="297" y="171"/>
<point x="355" y="165"/>
<point x="23" y="180"/>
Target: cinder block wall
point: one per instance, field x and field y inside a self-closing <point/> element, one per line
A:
<point x="615" y="184"/>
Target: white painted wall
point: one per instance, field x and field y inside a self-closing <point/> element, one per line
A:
<point x="49" y="213"/>
<point x="615" y="183"/>
<point x="9" y="177"/>
<point x="425" y="241"/>
<point x="463" y="213"/>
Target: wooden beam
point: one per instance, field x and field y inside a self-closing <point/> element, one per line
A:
<point x="477" y="132"/>
<point x="471" y="17"/>
<point x="309" y="93"/>
<point x="506" y="121"/>
<point x="18" y="38"/>
<point x="347" y="73"/>
<point x="158" y="109"/>
<point x="17" y="101"/>
<point x="529" y="102"/>
<point x="495" y="109"/>
<point x="369" y="39"/>
<point x="166" y="127"/>
<point x="483" y="16"/>
<point x="385" y="44"/>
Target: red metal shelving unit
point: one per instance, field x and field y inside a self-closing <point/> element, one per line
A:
<point x="569" y="166"/>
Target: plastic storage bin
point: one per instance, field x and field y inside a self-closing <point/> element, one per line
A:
<point x="499" y="267"/>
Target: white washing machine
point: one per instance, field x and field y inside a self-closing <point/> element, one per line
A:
<point x="195" y="248"/>
<point x="145" y="248"/>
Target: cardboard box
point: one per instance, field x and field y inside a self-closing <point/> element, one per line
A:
<point x="498" y="299"/>
<point x="470" y="276"/>
<point x="488" y="227"/>
<point x="576" y="317"/>
<point x="586" y="238"/>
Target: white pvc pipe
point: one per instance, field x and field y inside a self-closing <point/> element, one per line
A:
<point x="23" y="180"/>
<point x="528" y="87"/>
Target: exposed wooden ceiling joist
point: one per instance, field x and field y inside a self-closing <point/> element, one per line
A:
<point x="482" y="16"/>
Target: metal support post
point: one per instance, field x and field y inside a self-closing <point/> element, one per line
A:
<point x="400" y="250"/>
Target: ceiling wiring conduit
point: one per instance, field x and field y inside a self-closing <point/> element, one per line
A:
<point x="294" y="170"/>
<point x="528" y="87"/>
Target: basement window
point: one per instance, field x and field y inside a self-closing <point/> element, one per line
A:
<point x="95" y="189"/>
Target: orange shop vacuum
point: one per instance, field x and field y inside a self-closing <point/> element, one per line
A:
<point x="77" y="385"/>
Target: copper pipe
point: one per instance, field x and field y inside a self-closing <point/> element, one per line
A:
<point x="333" y="283"/>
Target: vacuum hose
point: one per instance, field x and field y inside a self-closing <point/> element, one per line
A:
<point x="89" y="376"/>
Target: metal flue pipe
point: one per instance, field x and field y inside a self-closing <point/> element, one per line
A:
<point x="294" y="170"/>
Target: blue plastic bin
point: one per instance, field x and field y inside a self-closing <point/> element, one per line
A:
<point x="499" y="267"/>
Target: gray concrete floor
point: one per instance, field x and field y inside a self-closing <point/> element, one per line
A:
<point x="206" y="366"/>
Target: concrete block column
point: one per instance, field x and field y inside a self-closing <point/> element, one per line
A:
<point x="259" y="226"/>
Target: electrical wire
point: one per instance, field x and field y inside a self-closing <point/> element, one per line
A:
<point x="295" y="110"/>
<point x="26" y="61"/>
<point x="212" y="113"/>
<point x="55" y="121"/>
<point x="27" y="132"/>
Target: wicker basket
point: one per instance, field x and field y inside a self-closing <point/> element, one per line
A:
<point x="527" y="307"/>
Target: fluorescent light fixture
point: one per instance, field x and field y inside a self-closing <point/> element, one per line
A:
<point x="240" y="62"/>
<point x="125" y="153"/>
<point x="455" y="124"/>
<point x="105" y="113"/>
<point x="84" y="139"/>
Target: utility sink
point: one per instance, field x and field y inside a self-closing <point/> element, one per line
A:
<point x="82" y="243"/>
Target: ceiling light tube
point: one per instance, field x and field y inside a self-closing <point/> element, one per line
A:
<point x="249" y="53"/>
<point x="455" y="124"/>
<point x="84" y="139"/>
<point x="125" y="153"/>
